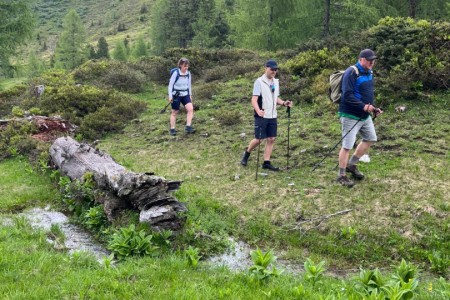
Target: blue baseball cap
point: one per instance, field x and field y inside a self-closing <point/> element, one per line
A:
<point x="367" y="54"/>
<point x="271" y="64"/>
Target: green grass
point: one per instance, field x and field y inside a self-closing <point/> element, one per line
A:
<point x="397" y="212"/>
<point x="21" y="187"/>
<point x="32" y="269"/>
<point x="394" y="210"/>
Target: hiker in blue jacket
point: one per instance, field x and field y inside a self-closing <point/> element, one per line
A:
<point x="180" y="92"/>
<point x="357" y="102"/>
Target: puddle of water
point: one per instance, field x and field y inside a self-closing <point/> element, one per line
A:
<point x="76" y="238"/>
<point x="239" y="259"/>
<point x="236" y="259"/>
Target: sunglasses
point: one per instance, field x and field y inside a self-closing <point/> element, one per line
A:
<point x="274" y="69"/>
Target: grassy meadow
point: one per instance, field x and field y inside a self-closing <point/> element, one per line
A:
<point x="400" y="211"/>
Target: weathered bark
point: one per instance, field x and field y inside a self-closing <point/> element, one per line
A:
<point x="124" y="189"/>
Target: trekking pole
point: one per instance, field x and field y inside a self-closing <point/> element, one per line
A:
<point x="377" y="111"/>
<point x="326" y="155"/>
<point x="288" y="110"/>
<point x="257" y="157"/>
<point x="164" y="109"/>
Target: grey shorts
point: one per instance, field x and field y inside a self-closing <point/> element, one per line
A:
<point x="365" y="129"/>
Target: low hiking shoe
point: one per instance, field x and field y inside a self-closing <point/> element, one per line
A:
<point x="189" y="129"/>
<point x="245" y="157"/>
<point x="345" y="181"/>
<point x="355" y="172"/>
<point x="270" y="167"/>
<point x="173" y="132"/>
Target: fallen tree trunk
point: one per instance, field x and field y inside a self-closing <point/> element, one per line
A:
<point x="124" y="189"/>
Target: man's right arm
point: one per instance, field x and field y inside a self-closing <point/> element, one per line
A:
<point x="348" y="89"/>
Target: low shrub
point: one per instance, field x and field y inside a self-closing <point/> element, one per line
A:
<point x="228" y="117"/>
<point x="10" y="98"/>
<point x="114" y="74"/>
<point x="217" y="73"/>
<point x="205" y="91"/>
<point x="125" y="79"/>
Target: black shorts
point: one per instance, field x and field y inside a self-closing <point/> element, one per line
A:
<point x="176" y="101"/>
<point x="265" y="128"/>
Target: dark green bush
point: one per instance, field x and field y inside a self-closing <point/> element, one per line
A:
<point x="110" y="119"/>
<point x="414" y="56"/>
<point x="15" y="138"/>
<point x="217" y="73"/>
<point x="205" y="91"/>
<point x="228" y="117"/>
<point x="124" y="78"/>
<point x="114" y="74"/>
<point x="10" y="98"/>
<point x="155" y="69"/>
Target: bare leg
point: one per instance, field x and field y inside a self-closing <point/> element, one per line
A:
<point x="173" y="118"/>
<point x="269" y="147"/>
<point x="362" y="148"/>
<point x="253" y="144"/>
<point x="190" y="113"/>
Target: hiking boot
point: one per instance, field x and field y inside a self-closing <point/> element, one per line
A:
<point x="355" y="172"/>
<point x="173" y="131"/>
<point x="343" y="180"/>
<point x="270" y="167"/>
<point x="189" y="129"/>
<point x="245" y="157"/>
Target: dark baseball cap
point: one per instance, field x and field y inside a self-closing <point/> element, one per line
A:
<point x="271" y="64"/>
<point x="367" y="54"/>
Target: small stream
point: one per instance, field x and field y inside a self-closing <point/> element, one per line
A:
<point x="76" y="238"/>
<point x="237" y="258"/>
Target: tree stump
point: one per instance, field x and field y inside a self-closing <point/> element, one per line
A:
<point x="123" y="189"/>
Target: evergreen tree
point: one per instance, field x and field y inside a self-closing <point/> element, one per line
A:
<point x="102" y="48"/>
<point x="140" y="49"/>
<point x="35" y="66"/>
<point x="172" y="22"/>
<point x="70" y="51"/>
<point x="92" y="53"/>
<point x="120" y="52"/>
<point x="204" y="24"/>
<point x="16" y="25"/>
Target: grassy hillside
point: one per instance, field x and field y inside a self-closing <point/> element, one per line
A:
<point x="101" y="18"/>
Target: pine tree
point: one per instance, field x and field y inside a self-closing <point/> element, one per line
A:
<point x="140" y="49"/>
<point x="102" y="48"/>
<point x="35" y="66"/>
<point x="70" y="51"/>
<point x="17" y="23"/>
<point x="120" y="52"/>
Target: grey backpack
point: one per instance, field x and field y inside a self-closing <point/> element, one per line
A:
<point x="335" y="90"/>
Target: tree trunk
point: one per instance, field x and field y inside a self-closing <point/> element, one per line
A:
<point x="412" y="8"/>
<point x="326" y="19"/>
<point x="123" y="189"/>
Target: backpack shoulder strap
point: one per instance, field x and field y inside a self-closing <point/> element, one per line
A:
<point x="356" y="69"/>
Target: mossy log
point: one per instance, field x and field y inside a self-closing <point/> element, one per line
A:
<point x="122" y="189"/>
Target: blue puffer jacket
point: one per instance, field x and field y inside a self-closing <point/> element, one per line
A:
<point x="357" y="91"/>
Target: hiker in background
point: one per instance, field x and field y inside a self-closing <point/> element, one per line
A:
<point x="357" y="102"/>
<point x="180" y="92"/>
<point x="266" y="91"/>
